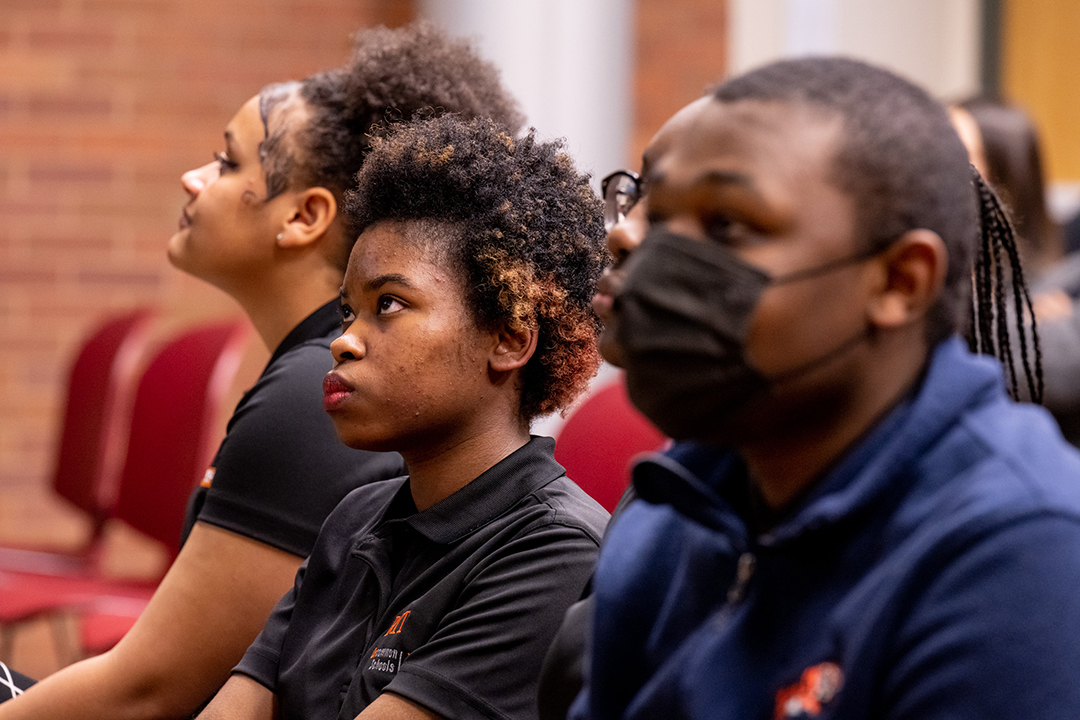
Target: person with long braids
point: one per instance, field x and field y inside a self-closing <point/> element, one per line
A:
<point x="264" y="223"/>
<point x="856" y="520"/>
<point x="466" y="314"/>
<point x="1003" y="139"/>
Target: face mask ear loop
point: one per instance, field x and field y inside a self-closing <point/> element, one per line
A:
<point x="828" y="267"/>
<point x="810" y="365"/>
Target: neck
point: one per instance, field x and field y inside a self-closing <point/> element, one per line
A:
<point x="787" y="461"/>
<point x="279" y="304"/>
<point x="438" y="470"/>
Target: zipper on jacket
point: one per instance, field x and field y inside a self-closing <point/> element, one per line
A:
<point x="744" y="570"/>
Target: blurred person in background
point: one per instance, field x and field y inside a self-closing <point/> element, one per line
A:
<point x="1003" y="143"/>
<point x="263" y="222"/>
<point x="466" y="315"/>
<point x="855" y="520"/>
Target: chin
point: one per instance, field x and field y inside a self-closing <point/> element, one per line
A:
<point x="359" y="440"/>
<point x="174" y="250"/>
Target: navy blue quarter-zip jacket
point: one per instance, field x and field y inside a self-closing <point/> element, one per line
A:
<point x="933" y="573"/>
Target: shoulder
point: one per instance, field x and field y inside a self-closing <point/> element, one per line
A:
<point x="562" y="503"/>
<point x="1026" y="467"/>
<point x="298" y="365"/>
<point x="289" y="390"/>
<point x="997" y="485"/>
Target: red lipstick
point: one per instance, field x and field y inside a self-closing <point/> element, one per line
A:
<point x="335" y="391"/>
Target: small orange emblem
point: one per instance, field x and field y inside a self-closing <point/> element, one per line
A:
<point x="817" y="687"/>
<point x="208" y="477"/>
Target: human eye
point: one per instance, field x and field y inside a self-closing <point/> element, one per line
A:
<point x="347" y="315"/>
<point x="734" y="233"/>
<point x="224" y="163"/>
<point x="718" y="227"/>
<point x="388" y="304"/>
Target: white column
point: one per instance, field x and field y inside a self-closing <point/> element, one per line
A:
<point x="932" y="42"/>
<point x="569" y="62"/>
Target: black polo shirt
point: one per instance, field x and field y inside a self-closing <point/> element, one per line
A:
<point x="281" y="468"/>
<point x="452" y="608"/>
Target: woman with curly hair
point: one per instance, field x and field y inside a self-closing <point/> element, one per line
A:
<point x="466" y="314"/>
<point x="263" y="224"/>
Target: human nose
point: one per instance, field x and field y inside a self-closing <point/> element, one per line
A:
<point x="195" y="181"/>
<point x="348" y="346"/>
<point x="624" y="236"/>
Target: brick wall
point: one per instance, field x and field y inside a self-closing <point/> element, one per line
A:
<point x="103" y="103"/>
<point x="681" y="50"/>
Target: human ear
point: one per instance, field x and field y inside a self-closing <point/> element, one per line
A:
<point x="513" y="349"/>
<point x="312" y="212"/>
<point x="914" y="275"/>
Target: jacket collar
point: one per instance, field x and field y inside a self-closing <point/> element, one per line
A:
<point x="690" y="476"/>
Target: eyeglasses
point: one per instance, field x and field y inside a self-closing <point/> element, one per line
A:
<point x="621" y="191"/>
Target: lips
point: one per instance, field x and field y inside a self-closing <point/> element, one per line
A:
<point x="335" y="391"/>
<point x="185" y="219"/>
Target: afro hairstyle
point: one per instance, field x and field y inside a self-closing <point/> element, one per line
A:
<point x="393" y="74"/>
<point x="524" y="234"/>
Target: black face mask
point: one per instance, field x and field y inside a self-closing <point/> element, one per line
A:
<point x="684" y="313"/>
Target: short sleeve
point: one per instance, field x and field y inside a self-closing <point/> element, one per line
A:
<point x="997" y="635"/>
<point x="511" y="607"/>
<point x="281" y="468"/>
<point x="261" y="660"/>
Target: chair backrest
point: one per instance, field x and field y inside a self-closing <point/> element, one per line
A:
<point x="96" y="414"/>
<point x="600" y="439"/>
<point x="170" y="443"/>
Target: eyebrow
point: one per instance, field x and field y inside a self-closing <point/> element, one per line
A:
<point x="709" y="177"/>
<point x="724" y="177"/>
<point x="397" y="278"/>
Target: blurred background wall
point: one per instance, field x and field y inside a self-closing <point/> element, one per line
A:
<point x="104" y="103"/>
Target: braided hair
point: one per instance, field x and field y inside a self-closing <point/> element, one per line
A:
<point x="905" y="167"/>
<point x="989" y="328"/>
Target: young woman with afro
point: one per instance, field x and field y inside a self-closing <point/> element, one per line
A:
<point x="264" y="223"/>
<point x="466" y="314"/>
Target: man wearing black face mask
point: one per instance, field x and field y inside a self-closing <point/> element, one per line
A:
<point x="857" y="522"/>
<point x="685" y="313"/>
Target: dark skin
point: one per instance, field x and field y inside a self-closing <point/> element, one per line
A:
<point x="422" y="378"/>
<point x="412" y="373"/>
<point x="624" y="237"/>
<point x="758" y="177"/>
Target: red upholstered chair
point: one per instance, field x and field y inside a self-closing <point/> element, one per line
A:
<point x="97" y="410"/>
<point x="599" y="440"/>
<point x="168" y="449"/>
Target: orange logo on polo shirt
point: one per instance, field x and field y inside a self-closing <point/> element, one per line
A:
<point x="208" y="477"/>
<point x="806" y="699"/>
<point x="399" y="622"/>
